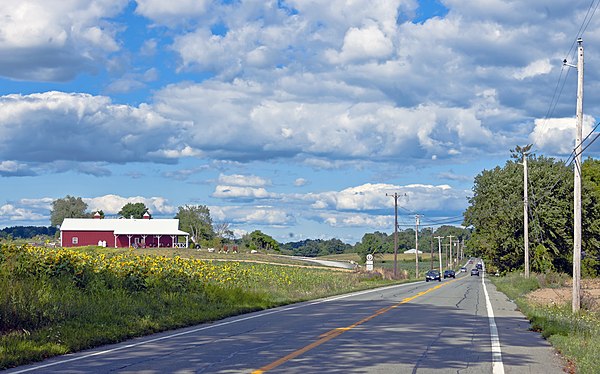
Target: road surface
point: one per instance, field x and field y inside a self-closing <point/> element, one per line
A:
<point x="435" y="327"/>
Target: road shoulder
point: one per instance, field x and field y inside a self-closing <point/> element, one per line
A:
<point x="523" y="350"/>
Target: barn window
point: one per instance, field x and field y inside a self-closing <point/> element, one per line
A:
<point x="75" y="240"/>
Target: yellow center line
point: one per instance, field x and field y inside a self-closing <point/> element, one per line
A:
<point x="323" y="338"/>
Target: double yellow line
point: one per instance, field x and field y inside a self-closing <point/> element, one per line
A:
<point x="340" y="330"/>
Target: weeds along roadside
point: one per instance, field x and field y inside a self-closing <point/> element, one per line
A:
<point x="575" y="336"/>
<point x="55" y="301"/>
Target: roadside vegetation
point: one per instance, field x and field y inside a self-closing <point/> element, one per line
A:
<point x="575" y="336"/>
<point x="55" y="300"/>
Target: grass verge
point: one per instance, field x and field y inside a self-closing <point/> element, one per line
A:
<point x="575" y="336"/>
<point x="56" y="301"/>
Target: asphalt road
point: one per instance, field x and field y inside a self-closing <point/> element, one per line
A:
<point x="435" y="327"/>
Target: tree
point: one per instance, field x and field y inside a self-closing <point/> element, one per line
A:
<point x="133" y="210"/>
<point x="376" y="242"/>
<point x="258" y="240"/>
<point x="195" y="219"/>
<point x="223" y="231"/>
<point x="496" y="214"/>
<point x="67" y="207"/>
<point x="590" y="218"/>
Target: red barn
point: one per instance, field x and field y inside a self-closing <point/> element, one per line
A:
<point x="122" y="233"/>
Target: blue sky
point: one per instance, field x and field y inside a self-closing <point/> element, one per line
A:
<point x="292" y="117"/>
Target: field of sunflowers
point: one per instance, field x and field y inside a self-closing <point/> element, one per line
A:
<point x="57" y="300"/>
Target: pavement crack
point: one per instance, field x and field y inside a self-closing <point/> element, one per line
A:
<point x="424" y="355"/>
<point x="467" y="290"/>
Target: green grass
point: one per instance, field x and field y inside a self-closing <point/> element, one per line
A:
<point x="56" y="301"/>
<point x="576" y="336"/>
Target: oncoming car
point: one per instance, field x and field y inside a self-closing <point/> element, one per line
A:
<point x="433" y="275"/>
<point x="449" y="274"/>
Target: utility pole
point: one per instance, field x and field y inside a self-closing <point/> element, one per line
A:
<point x="417" y="218"/>
<point x="576" y="302"/>
<point x="451" y="264"/>
<point x="431" y="267"/>
<point x="577" y="184"/>
<point x="525" y="210"/>
<point x="439" y="238"/>
<point x="395" y="196"/>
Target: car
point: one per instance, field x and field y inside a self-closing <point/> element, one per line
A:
<point x="474" y="271"/>
<point x="449" y="274"/>
<point x="479" y="266"/>
<point x="433" y="275"/>
<point x="463" y="269"/>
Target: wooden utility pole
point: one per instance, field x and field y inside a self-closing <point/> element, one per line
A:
<point x="431" y="267"/>
<point x="395" y="196"/>
<point x="577" y="184"/>
<point x="439" y="238"/>
<point x="417" y="218"/>
<point x="576" y="302"/>
<point x="525" y="215"/>
<point x="450" y="261"/>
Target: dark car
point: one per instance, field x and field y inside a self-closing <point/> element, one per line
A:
<point x="474" y="271"/>
<point x="479" y="266"/>
<point x="433" y="275"/>
<point x="449" y="274"/>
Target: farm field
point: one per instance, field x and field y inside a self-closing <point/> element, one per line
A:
<point x="55" y="301"/>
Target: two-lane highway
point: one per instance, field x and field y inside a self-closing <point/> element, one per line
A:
<point x="420" y="327"/>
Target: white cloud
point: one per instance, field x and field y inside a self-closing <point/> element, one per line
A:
<point x="12" y="213"/>
<point x="535" y="68"/>
<point x="299" y="182"/>
<point x="171" y="12"/>
<point x="82" y="127"/>
<point x="243" y="180"/>
<point x="252" y="215"/>
<point x="362" y="44"/>
<point x="112" y="204"/>
<point x="237" y="192"/>
<point x="372" y="197"/>
<point x="54" y="40"/>
<point x="368" y="222"/>
<point x="556" y="136"/>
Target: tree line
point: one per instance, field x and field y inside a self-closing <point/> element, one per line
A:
<point x="27" y="232"/>
<point x="496" y="215"/>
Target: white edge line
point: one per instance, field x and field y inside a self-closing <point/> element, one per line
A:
<point x="497" y="365"/>
<point x="241" y="319"/>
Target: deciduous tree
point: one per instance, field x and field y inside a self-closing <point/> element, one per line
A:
<point x="195" y="219"/>
<point x="67" y="207"/>
<point x="133" y="210"/>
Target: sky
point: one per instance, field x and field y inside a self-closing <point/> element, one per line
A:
<point x="298" y="118"/>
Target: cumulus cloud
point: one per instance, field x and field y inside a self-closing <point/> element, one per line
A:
<point x="243" y="180"/>
<point x="556" y="136"/>
<point x="299" y="182"/>
<point x="112" y="204"/>
<point x="243" y="193"/>
<point x="252" y="215"/>
<point x="372" y="222"/>
<point x="11" y="213"/>
<point x="362" y="44"/>
<point x="56" y="126"/>
<point x="14" y="169"/>
<point x="54" y="40"/>
<point x="171" y="13"/>
<point x="533" y="69"/>
<point x="375" y="197"/>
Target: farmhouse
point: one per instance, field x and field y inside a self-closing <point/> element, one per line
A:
<point x="122" y="233"/>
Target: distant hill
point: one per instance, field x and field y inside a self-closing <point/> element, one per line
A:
<point x="317" y="247"/>
<point x="27" y="232"/>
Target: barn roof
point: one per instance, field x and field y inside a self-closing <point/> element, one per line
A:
<point x="124" y="226"/>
